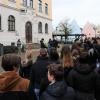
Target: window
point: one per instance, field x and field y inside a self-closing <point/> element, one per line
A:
<point x="46" y="8"/>
<point x="13" y="1"/>
<point x="46" y="28"/>
<point x="40" y="27"/>
<point x="25" y="2"/>
<point x="40" y="6"/>
<point x="0" y="22"/>
<point x="11" y="23"/>
<point x="31" y="3"/>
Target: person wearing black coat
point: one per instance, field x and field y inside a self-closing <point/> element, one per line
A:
<point x="97" y="89"/>
<point x="42" y="45"/>
<point x="54" y="56"/>
<point x="82" y="78"/>
<point x="39" y="72"/>
<point x="16" y="95"/>
<point x="57" y="89"/>
<point x="66" y="60"/>
<point x="25" y="69"/>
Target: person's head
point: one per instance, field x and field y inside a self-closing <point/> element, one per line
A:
<point x="54" y="54"/>
<point x="55" y="72"/>
<point x="66" y="56"/>
<point x="18" y="39"/>
<point x="11" y="62"/>
<point x="43" y="52"/>
<point x="84" y="58"/>
<point x="49" y="39"/>
<point x="42" y="39"/>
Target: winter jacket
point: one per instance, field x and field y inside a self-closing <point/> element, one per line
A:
<point x="11" y="81"/>
<point x="38" y="72"/>
<point x="97" y="89"/>
<point x="26" y="69"/>
<point x="58" y="91"/>
<point x="82" y="78"/>
<point x="16" y="95"/>
<point x="66" y="73"/>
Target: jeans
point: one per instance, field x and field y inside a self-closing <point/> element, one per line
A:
<point x="37" y="93"/>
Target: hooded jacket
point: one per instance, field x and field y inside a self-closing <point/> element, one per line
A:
<point x="11" y="81"/>
<point x="82" y="78"/>
<point x="58" y="91"/>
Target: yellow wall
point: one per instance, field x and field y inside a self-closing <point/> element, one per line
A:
<point x="5" y="2"/>
<point x="49" y="2"/>
<point x="35" y="6"/>
<point x="18" y="3"/>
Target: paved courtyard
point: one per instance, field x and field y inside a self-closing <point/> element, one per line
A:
<point x="35" y="53"/>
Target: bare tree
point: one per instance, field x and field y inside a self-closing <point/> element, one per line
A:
<point x="64" y="28"/>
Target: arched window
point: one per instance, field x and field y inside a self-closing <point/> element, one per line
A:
<point x="28" y="29"/>
<point x="0" y="22"/>
<point x="40" y="27"/>
<point x="46" y="28"/>
<point x="11" y="23"/>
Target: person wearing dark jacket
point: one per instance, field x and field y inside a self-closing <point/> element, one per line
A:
<point x="12" y="86"/>
<point x="66" y="60"/>
<point x="57" y="89"/>
<point x="54" y="56"/>
<point x="38" y="72"/>
<point x="82" y="78"/>
<point x="25" y="69"/>
<point x="42" y="45"/>
<point x="97" y="89"/>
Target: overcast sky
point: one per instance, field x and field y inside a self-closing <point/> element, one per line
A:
<point x="80" y="10"/>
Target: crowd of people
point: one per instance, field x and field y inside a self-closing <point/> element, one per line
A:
<point x="72" y="74"/>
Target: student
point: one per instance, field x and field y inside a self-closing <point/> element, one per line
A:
<point x="38" y="73"/>
<point x="66" y="60"/>
<point x="12" y="86"/>
<point x="82" y="78"/>
<point x="10" y="79"/>
<point x="25" y="69"/>
<point x="57" y="89"/>
<point x="19" y="46"/>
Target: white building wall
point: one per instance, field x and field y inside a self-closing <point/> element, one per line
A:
<point x="37" y="36"/>
<point x="6" y="37"/>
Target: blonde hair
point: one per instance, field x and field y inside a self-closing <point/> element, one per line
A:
<point x="29" y="55"/>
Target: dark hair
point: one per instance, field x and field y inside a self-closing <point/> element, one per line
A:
<point x="54" y="54"/>
<point x="84" y="58"/>
<point x="9" y="61"/>
<point x="65" y="50"/>
<point x="57" y="71"/>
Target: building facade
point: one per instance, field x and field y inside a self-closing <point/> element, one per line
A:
<point x="27" y="20"/>
<point x="89" y="30"/>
